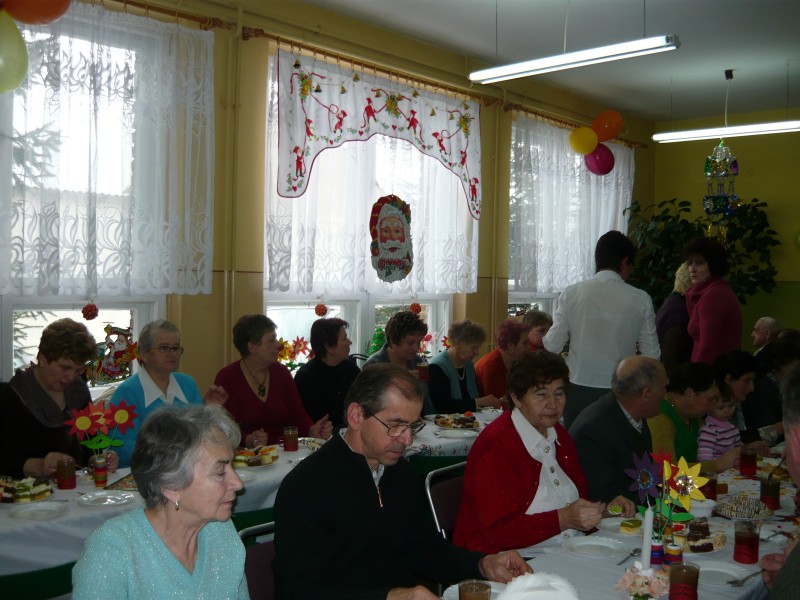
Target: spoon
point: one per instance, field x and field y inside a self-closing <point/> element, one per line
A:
<point x="772" y="472"/>
<point x="634" y="552"/>
<point x="743" y="580"/>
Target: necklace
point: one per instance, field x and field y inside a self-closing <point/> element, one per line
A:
<point x="461" y="373"/>
<point x="262" y="385"/>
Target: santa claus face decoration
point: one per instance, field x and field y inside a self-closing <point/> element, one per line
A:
<point x="391" y="247"/>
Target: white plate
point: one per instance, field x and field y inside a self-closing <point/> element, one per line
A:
<point x="311" y="443"/>
<point x="718" y="573"/>
<point x="451" y="593"/>
<point x="106" y="498"/>
<point x="595" y="546"/>
<point x="39" y="511"/>
<point x="245" y="475"/>
<point x="779" y="540"/>
<point x="458" y="433"/>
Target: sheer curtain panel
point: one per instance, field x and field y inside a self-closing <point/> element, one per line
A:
<point x="319" y="243"/>
<point x="108" y="150"/>
<point x="558" y="208"/>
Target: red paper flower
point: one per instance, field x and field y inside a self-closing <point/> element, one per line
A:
<point x="415" y="308"/>
<point x="90" y="311"/>
<point x="122" y="416"/>
<point x="82" y="422"/>
<point x="321" y="310"/>
<point x="446" y="343"/>
<point x="661" y="457"/>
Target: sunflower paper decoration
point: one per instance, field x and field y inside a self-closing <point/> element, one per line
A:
<point x="95" y="421"/>
<point x="645" y="477"/>
<point x="686" y="483"/>
<point x="291" y="351"/>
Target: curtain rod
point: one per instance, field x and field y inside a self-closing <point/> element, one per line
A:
<point x="207" y="23"/>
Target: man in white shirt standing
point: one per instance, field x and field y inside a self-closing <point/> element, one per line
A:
<point x="604" y="320"/>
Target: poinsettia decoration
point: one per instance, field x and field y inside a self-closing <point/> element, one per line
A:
<point x="95" y="421"/>
<point x="679" y="484"/>
<point x="415" y="308"/>
<point x="90" y="311"/>
<point x="320" y="310"/>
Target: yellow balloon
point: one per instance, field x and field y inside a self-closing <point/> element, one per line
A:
<point x="583" y="140"/>
<point x="13" y="54"/>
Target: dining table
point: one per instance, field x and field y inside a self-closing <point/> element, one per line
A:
<point x="52" y="532"/>
<point x="594" y="577"/>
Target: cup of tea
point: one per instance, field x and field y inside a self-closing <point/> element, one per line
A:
<point x="65" y="474"/>
<point x="474" y="589"/>
<point x="683" y="579"/>
<point x="748" y="462"/>
<point x="745" y="546"/>
<point x="290" y="439"/>
<point x="771" y="492"/>
<point x="424" y="372"/>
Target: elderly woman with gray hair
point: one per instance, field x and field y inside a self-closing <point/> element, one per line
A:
<point x="157" y="382"/>
<point x="182" y="544"/>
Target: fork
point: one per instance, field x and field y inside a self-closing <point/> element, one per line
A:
<point x="743" y="580"/>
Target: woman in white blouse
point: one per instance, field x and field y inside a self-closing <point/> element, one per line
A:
<point x="523" y="483"/>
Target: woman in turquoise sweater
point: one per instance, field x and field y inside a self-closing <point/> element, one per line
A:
<point x="453" y="384"/>
<point x="183" y="544"/>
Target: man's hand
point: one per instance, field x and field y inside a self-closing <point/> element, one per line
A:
<point x="503" y="567"/>
<point x="415" y="593"/>
<point x="729" y="459"/>
<point x="628" y="507"/>
<point x="772" y="563"/>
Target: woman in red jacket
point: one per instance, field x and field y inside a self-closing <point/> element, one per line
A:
<point x="523" y="483"/>
<point x="715" y="316"/>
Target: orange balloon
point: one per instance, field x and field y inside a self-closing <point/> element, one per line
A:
<point x="607" y="125"/>
<point x="36" y="12"/>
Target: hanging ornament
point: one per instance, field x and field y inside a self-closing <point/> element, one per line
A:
<point x="415" y="308"/>
<point x="415" y="94"/>
<point x="36" y="12"/>
<point x="356" y="78"/>
<point x="90" y="311"/>
<point x="433" y="112"/>
<point x="318" y="89"/>
<point x="342" y="89"/>
<point x="320" y="310"/>
<point x="297" y="64"/>
<point x="13" y="54"/>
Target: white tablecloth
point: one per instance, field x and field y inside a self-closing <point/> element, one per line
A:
<point x="32" y="545"/>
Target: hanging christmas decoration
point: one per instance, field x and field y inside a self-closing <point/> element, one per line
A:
<point x="391" y="248"/>
<point x="320" y="310"/>
<point x="415" y="308"/>
<point x="90" y="311"/>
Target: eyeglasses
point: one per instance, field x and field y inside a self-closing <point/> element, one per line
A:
<point x="164" y="349"/>
<point x="398" y="430"/>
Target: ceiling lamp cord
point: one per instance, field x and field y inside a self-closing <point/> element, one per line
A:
<point x="728" y="77"/>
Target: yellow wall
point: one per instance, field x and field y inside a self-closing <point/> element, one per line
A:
<point x="767" y="171"/>
<point x="241" y="67"/>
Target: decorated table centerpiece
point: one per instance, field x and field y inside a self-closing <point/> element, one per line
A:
<point x="672" y="489"/>
<point x="94" y="422"/>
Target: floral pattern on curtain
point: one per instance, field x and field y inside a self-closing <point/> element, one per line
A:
<point x="319" y="243"/>
<point x="323" y="106"/>
<point x="109" y="149"/>
<point x="558" y="209"/>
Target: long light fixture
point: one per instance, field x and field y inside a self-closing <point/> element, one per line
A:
<point x="581" y="58"/>
<point x="727" y="132"/>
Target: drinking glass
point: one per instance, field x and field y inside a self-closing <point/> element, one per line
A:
<point x="683" y="579"/>
<point x="748" y="461"/>
<point x="474" y="589"/>
<point x="290" y="439"/>
<point x="745" y="546"/>
<point x="771" y="492"/>
<point x="65" y="474"/>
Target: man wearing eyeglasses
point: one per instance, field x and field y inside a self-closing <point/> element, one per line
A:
<point x="351" y="520"/>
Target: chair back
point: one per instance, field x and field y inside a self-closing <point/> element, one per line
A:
<point x="258" y="561"/>
<point x="444" y="488"/>
<point x="358" y="358"/>
<point x="38" y="585"/>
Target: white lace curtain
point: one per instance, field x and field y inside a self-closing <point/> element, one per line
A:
<point x="319" y="243"/>
<point x="108" y="146"/>
<point x="558" y="208"/>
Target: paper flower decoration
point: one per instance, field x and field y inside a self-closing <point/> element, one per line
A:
<point x="686" y="482"/>
<point x="415" y="308"/>
<point x="320" y="310"/>
<point x="641" y="585"/>
<point x="645" y="477"/>
<point x="90" y="311"/>
<point x="291" y="351"/>
<point x="95" y="421"/>
<point x="446" y="343"/>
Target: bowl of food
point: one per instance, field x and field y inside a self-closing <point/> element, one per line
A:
<point x="702" y="508"/>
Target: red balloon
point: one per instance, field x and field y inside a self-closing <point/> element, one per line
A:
<point x="607" y="125"/>
<point x="36" y="12"/>
<point x="601" y="161"/>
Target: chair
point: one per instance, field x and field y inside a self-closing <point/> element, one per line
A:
<point x="258" y="560"/>
<point x="424" y="464"/>
<point x="444" y="488"/>
<point x="358" y="357"/>
<point x="38" y="585"/>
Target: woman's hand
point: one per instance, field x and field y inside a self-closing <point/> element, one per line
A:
<point x="112" y="460"/>
<point x="728" y="459"/>
<point x="258" y="438"/>
<point x="416" y="593"/>
<point x="43" y="467"/>
<point x="490" y="400"/>
<point x="581" y="514"/>
<point x="215" y="395"/>
<point x="761" y="447"/>
<point x="628" y="507"/>
<point x="503" y="567"/>
<point x="321" y="429"/>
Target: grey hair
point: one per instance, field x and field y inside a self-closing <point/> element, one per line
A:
<point x="370" y="387"/>
<point x="790" y="392"/>
<point x="168" y="445"/>
<point x="149" y="333"/>
<point x="643" y="375"/>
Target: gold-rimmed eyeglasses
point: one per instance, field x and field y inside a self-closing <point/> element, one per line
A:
<point x="164" y="349"/>
<point x="400" y="429"/>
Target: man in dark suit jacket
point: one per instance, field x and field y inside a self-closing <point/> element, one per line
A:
<point x="610" y="431"/>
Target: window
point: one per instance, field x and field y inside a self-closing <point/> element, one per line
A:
<point x="558" y="209"/>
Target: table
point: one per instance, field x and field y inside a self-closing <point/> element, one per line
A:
<point x="594" y="578"/>
<point x="32" y="545"/>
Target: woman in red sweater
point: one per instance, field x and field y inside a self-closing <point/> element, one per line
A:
<point x="715" y="316"/>
<point x="523" y="483"/>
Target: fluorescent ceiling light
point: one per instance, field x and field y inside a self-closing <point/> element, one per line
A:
<point x="581" y="58"/>
<point x="727" y="132"/>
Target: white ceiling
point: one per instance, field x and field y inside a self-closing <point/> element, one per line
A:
<point x="758" y="39"/>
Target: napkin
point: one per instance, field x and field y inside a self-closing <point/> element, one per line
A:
<point x="543" y="585"/>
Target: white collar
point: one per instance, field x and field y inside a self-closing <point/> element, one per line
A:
<point x="534" y="441"/>
<point x="152" y="392"/>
